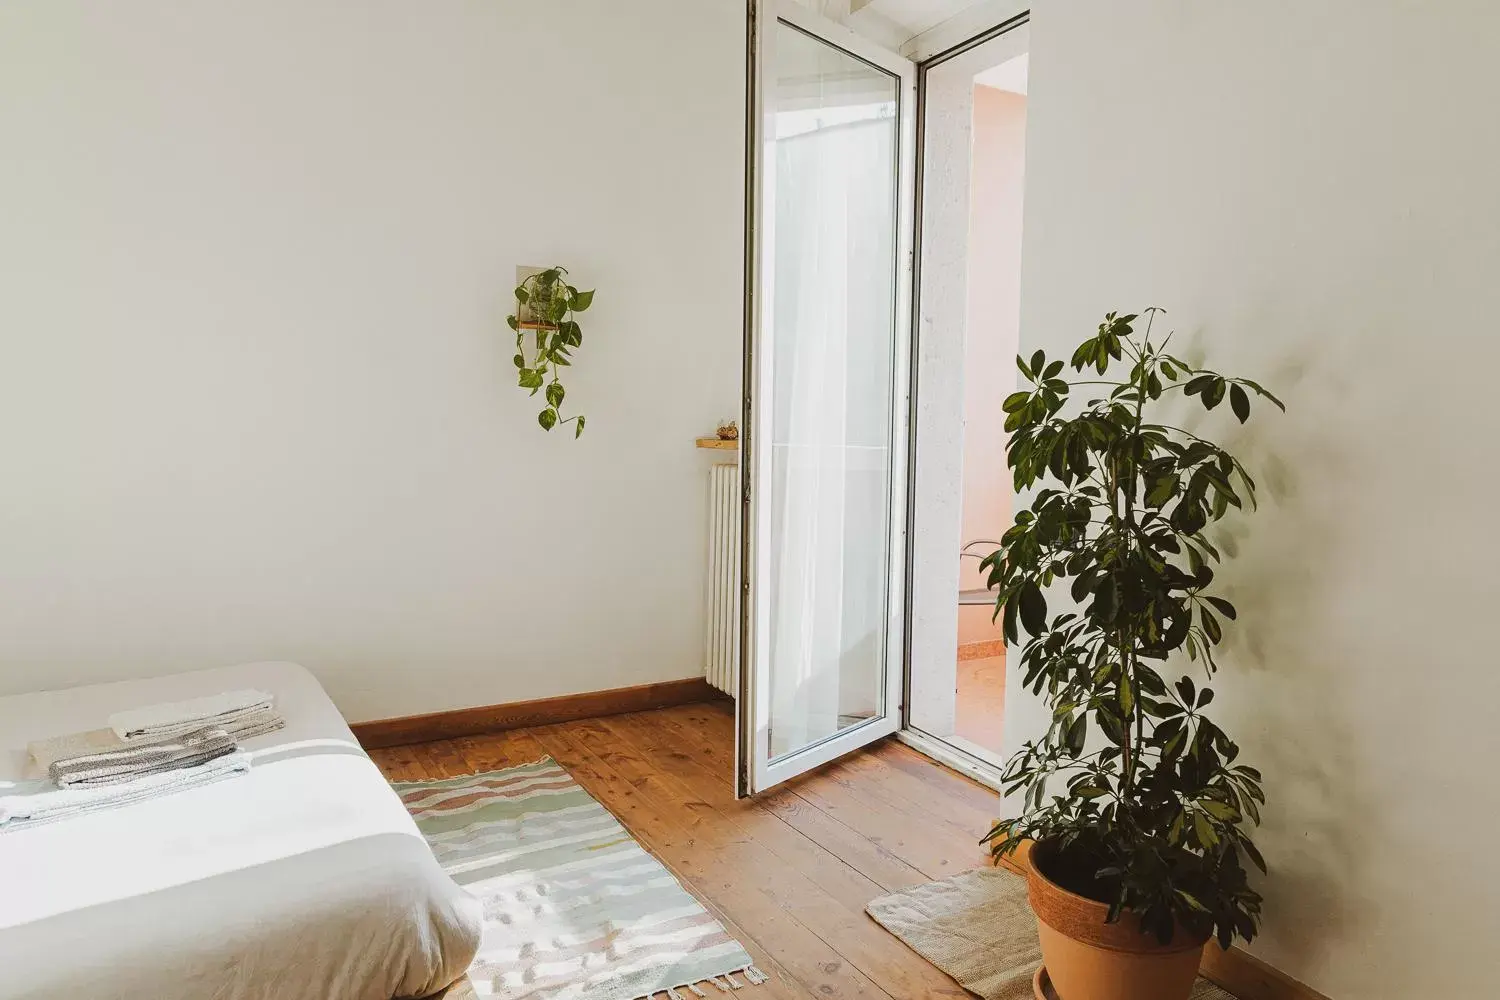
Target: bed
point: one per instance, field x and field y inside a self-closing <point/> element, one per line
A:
<point x="304" y="878"/>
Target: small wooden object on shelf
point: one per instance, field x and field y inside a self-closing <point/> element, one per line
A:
<point x="719" y="443"/>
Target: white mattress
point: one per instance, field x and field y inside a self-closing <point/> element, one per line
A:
<point x="304" y="878"/>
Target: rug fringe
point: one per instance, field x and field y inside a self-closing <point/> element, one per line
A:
<point x="726" y="984"/>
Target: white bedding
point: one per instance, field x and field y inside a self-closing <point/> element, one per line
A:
<point x="304" y="878"/>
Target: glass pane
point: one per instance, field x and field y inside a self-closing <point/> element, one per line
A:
<point x="831" y="337"/>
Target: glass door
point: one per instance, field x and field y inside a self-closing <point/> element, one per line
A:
<point x="828" y="360"/>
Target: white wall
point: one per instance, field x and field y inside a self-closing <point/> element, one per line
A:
<point x="991" y="332"/>
<point x="256" y="396"/>
<point x="1310" y="190"/>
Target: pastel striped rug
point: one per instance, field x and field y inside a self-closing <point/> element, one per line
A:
<point x="574" y="908"/>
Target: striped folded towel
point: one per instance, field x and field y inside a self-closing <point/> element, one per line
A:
<point x="142" y="757"/>
<point x="30" y="803"/>
<point x="70" y="745"/>
<point x="223" y="711"/>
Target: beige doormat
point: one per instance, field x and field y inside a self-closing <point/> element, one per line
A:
<point x="978" y="928"/>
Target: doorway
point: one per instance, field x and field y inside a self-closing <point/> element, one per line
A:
<point x="873" y="467"/>
<point x="972" y="148"/>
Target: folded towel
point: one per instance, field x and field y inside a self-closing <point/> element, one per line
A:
<point x="71" y="745"/>
<point x="178" y="717"/>
<point x="54" y="748"/>
<point x="253" y="724"/>
<point x="29" y="803"/>
<point x="141" y="757"/>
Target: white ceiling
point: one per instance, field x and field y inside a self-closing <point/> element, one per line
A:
<point x="1009" y="75"/>
<point x="912" y="16"/>
<point x="891" y="23"/>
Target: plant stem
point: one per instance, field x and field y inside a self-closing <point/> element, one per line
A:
<point x="1129" y="536"/>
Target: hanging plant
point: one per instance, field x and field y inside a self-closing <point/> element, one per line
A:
<point x="545" y="307"/>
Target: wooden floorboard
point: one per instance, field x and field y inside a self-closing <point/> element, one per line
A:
<point x="788" y="873"/>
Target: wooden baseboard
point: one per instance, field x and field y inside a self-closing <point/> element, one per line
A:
<point x="1239" y="972"/>
<point x="1248" y="978"/>
<point x="542" y="712"/>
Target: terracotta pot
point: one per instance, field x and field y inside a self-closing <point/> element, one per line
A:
<point x="1088" y="959"/>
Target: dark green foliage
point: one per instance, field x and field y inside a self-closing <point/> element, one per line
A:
<point x="553" y="304"/>
<point x="1158" y="812"/>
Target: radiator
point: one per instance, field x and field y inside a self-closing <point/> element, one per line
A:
<point x="722" y="652"/>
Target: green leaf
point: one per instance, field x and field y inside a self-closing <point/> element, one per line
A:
<point x="578" y="431"/>
<point x="1198" y="384"/>
<point x="529" y="378"/>
<point x="1214" y="394"/>
<point x="1211" y="625"/>
<point x="555" y="394"/>
<point x="1033" y="609"/>
<point x="1205" y="830"/>
<point x="583" y="300"/>
<point x="513" y="323"/>
<point x="1077" y="733"/>
<point x="1220" y="810"/>
<point x="1224" y="607"/>
<point x="520" y="360"/>
<point x="522" y="296"/>
<point x="1162" y="490"/>
<point x="1240" y="402"/>
<point x="1106" y="600"/>
<point x="1015" y="401"/>
<point x="547" y="418"/>
<point x="1254" y="853"/>
<point x="1187" y="691"/>
<point x="1264" y="393"/>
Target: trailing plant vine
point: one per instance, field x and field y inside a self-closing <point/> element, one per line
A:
<point x="545" y="305"/>
<point x="1152" y="822"/>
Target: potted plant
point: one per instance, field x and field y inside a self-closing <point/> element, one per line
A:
<point x="1135" y="803"/>
<point x="545" y="305"/>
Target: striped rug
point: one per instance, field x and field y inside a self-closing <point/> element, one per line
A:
<point x="574" y="908"/>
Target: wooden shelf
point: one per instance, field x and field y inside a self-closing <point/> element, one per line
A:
<point x="719" y="444"/>
<point x="536" y="326"/>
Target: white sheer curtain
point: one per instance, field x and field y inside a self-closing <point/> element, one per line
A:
<point x="833" y="329"/>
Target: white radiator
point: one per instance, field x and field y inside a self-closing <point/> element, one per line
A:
<point x="722" y="650"/>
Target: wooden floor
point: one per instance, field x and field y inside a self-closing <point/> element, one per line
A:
<point x="979" y="710"/>
<point x="789" y="872"/>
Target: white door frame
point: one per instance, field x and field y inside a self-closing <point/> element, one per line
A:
<point x="755" y="770"/>
<point x="949" y="41"/>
